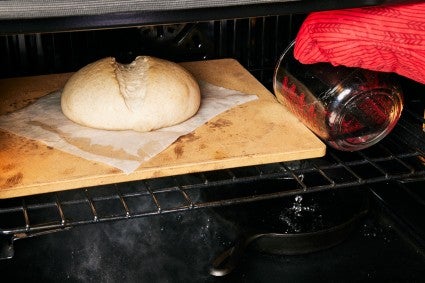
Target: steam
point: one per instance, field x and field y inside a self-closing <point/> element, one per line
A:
<point x="176" y="247"/>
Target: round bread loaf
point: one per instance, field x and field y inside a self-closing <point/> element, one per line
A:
<point x="147" y="94"/>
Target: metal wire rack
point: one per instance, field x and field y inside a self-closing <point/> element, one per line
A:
<point x="400" y="156"/>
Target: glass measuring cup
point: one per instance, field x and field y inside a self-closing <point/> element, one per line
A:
<point x="348" y="108"/>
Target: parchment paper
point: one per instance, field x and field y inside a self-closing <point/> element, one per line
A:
<point x="126" y="150"/>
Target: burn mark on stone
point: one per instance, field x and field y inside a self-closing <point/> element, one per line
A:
<point x="16" y="105"/>
<point x="14" y="180"/>
<point x="68" y="171"/>
<point x="181" y="141"/>
<point x="28" y="145"/>
<point x="219" y="155"/>
<point x="8" y="167"/>
<point x="220" y="123"/>
<point x="178" y="150"/>
<point x="188" y="138"/>
<point x="114" y="171"/>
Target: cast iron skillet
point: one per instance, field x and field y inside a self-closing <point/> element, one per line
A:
<point x="293" y="225"/>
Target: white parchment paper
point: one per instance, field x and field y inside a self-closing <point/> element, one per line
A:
<point x="126" y="150"/>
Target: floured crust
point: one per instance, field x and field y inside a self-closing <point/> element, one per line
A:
<point x="147" y="94"/>
<point x="132" y="82"/>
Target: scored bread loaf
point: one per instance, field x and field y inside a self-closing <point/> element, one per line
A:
<point x="147" y="94"/>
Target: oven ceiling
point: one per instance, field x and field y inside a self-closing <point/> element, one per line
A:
<point x="60" y="8"/>
<point x="30" y="16"/>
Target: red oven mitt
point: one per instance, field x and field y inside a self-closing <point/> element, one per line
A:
<point x="387" y="39"/>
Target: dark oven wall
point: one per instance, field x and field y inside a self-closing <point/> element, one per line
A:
<point x="255" y="42"/>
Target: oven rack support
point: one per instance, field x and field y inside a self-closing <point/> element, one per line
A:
<point x="400" y="156"/>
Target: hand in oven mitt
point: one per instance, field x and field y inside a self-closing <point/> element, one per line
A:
<point x="387" y="39"/>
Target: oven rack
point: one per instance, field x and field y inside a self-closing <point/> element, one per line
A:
<point x="400" y="156"/>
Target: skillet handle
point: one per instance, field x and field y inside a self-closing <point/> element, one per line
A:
<point x="228" y="260"/>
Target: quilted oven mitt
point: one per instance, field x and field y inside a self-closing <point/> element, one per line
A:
<point x="387" y="39"/>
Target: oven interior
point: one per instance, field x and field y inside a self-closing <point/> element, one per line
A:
<point x="171" y="228"/>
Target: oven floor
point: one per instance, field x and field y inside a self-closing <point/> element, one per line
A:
<point x="376" y="252"/>
<point x="179" y="247"/>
